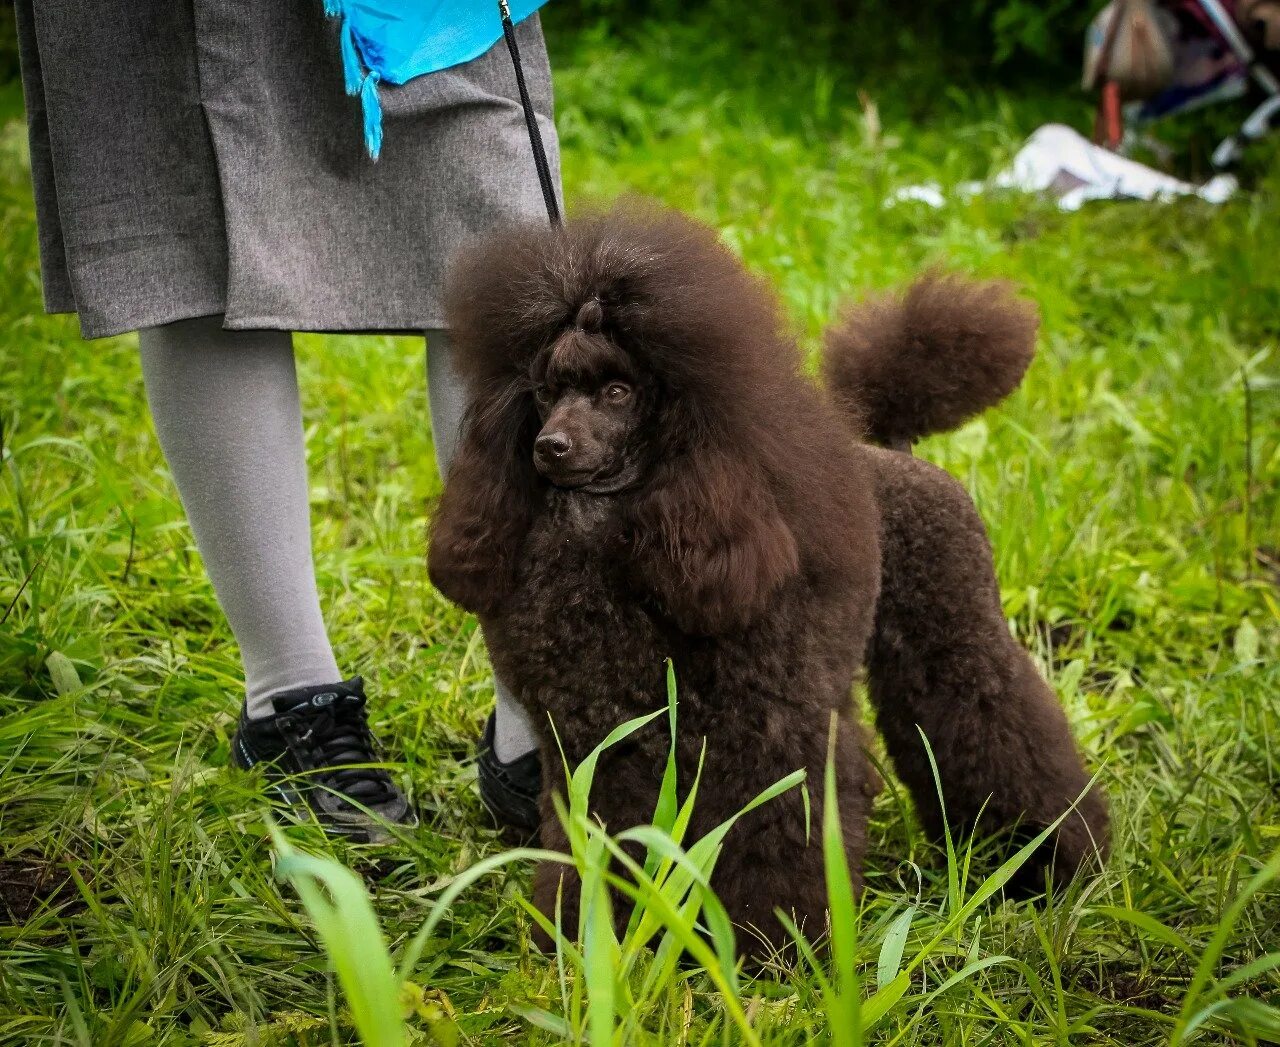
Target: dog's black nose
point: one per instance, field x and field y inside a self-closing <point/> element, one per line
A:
<point x="550" y="446"/>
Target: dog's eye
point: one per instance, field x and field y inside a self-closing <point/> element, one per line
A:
<point x="616" y="392"/>
<point x="542" y="395"/>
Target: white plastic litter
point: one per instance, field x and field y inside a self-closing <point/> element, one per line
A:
<point x="929" y="193"/>
<point x="1063" y="163"/>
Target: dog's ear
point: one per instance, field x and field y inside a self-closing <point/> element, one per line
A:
<point x="490" y="496"/>
<point x="711" y="543"/>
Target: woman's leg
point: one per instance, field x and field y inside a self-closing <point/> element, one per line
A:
<point x="227" y="412"/>
<point x="228" y="416"/>
<point x="513" y="734"/>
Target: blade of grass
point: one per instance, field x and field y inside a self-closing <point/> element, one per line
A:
<point x="339" y="907"/>
<point x="845" y="1004"/>
<point x="891" y="948"/>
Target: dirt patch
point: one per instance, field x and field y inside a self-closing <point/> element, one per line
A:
<point x="27" y="884"/>
<point x="1125" y="987"/>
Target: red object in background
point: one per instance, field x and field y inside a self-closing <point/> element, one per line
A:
<point x="1212" y="61"/>
<point x="1108" y="127"/>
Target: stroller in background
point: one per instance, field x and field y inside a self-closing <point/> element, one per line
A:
<point x="1153" y="59"/>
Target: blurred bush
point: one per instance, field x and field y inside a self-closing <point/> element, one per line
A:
<point x="1039" y="38"/>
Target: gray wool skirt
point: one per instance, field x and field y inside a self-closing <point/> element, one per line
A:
<point x="196" y="157"/>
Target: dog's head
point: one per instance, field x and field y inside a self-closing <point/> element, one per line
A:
<point x="631" y="357"/>
<point x="596" y="404"/>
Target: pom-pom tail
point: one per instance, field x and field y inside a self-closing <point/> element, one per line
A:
<point x="928" y="360"/>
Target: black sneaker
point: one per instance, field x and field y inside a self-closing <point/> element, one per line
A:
<point x="509" y="790"/>
<point x="318" y="753"/>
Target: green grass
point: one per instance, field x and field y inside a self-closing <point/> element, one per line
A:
<point x="1137" y="556"/>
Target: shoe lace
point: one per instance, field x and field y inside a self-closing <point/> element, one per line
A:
<point x="337" y="736"/>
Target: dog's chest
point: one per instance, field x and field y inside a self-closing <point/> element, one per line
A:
<point x="575" y="637"/>
<point x="572" y="585"/>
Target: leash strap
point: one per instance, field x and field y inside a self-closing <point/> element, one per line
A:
<point x="530" y="118"/>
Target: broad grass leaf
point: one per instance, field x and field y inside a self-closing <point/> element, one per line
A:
<point x="880" y="1002"/>
<point x="668" y="815"/>
<point x="844" y="1002"/>
<point x="643" y="891"/>
<point x="1246" y="644"/>
<point x="63" y="673"/>
<point x="692" y="899"/>
<point x="895" y="940"/>
<point x="343" y="916"/>
<point x="543" y="1019"/>
<point x="600" y="953"/>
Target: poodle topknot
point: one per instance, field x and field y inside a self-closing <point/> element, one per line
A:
<point x="645" y="473"/>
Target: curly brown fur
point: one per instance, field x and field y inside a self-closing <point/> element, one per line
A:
<point x="942" y="662"/>
<point x="928" y="360"/>
<point x="745" y="545"/>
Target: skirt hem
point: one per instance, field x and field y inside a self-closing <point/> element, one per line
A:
<point x="91" y="331"/>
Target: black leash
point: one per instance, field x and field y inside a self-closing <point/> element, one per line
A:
<point x="530" y="118"/>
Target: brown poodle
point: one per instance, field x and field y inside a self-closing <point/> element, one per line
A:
<point x="646" y="473"/>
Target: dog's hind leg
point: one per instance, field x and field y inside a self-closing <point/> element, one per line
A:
<point x="942" y="661"/>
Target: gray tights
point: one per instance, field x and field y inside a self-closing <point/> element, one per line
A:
<point x="229" y="419"/>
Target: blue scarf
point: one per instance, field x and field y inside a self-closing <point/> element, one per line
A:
<point x="396" y="40"/>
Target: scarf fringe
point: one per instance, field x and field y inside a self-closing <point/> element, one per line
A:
<point x="359" y="80"/>
<point x="372" y="114"/>
<point x="352" y="71"/>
